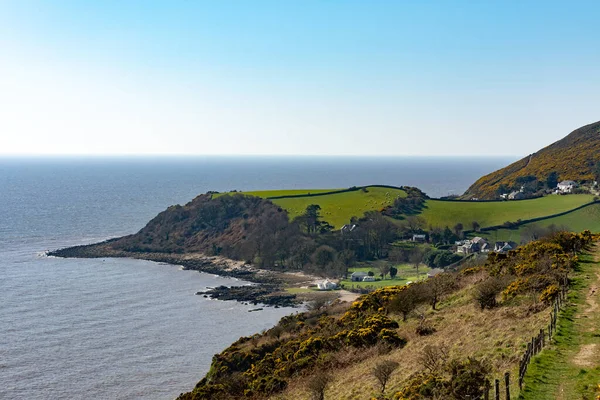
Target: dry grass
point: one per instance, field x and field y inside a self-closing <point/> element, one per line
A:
<point x="498" y="335"/>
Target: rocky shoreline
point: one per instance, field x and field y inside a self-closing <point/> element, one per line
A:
<point x="269" y="288"/>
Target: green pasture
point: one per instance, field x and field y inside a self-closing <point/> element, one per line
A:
<point x="445" y="213"/>
<point x="406" y="273"/>
<point x="577" y="221"/>
<point x="338" y="208"/>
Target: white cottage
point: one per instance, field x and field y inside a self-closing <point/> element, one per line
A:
<point x="566" y="186"/>
<point x="326" y="285"/>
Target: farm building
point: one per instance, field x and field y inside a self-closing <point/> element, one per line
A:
<point x="326" y="285"/>
<point x="419" y="238"/>
<point x="566" y="186"/>
<point x="504" y="247"/>
<point x="358" y="276"/>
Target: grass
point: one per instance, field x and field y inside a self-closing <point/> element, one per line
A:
<point x="444" y="213"/>
<point x="498" y="335"/>
<point x="560" y="372"/>
<point x="297" y="290"/>
<point x="577" y="221"/>
<point x="406" y="273"/>
<point x="339" y="208"/>
<point x="336" y="208"/>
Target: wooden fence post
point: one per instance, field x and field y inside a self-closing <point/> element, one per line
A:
<point x="507" y="383"/>
<point x="486" y="391"/>
<point x="497" y="397"/>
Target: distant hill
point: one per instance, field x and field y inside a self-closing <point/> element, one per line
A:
<point x="573" y="158"/>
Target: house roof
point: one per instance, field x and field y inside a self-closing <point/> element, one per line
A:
<point x="359" y="273"/>
<point x="566" y="183"/>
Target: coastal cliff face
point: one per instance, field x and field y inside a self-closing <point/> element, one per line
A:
<point x="574" y="157"/>
<point x="225" y="225"/>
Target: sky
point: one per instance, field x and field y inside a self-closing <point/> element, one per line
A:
<point x="451" y="78"/>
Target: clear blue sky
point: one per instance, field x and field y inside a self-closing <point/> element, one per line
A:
<point x="295" y="77"/>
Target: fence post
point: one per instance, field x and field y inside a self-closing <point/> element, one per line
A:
<point x="507" y="383"/>
<point x="543" y="337"/>
<point x="486" y="391"/>
<point x="497" y="397"/>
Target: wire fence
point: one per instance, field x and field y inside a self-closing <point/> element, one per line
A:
<point x="501" y="388"/>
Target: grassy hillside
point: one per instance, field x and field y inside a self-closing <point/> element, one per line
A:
<point x="444" y="213"/>
<point x="337" y="208"/>
<point x="573" y="157"/>
<point x="445" y="335"/>
<point x="570" y="368"/>
<point x="586" y="218"/>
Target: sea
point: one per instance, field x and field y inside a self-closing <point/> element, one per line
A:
<point x="133" y="329"/>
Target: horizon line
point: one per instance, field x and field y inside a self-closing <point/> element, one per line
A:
<point x="186" y="155"/>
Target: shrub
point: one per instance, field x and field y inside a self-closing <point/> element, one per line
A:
<point x="486" y="292"/>
<point x="383" y="372"/>
<point x="318" y="384"/>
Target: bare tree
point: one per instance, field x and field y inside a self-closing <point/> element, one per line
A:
<point x="458" y="229"/>
<point x="384" y="269"/>
<point x="433" y="358"/>
<point x="383" y="372"/>
<point x="415" y="224"/>
<point x="416" y="257"/>
<point x="437" y="287"/>
<point x="318" y="384"/>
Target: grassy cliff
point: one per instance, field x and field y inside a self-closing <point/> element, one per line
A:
<point x="573" y="157"/>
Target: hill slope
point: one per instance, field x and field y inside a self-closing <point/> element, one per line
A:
<point x="573" y="157"/>
<point x="445" y="335"/>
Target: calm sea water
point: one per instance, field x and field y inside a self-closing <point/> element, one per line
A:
<point x="129" y="329"/>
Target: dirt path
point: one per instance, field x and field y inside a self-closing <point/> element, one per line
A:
<point x="584" y="353"/>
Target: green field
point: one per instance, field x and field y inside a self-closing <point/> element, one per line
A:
<point x="336" y="208"/>
<point x="406" y="273"/>
<point x="339" y="208"/>
<point x="577" y="221"/>
<point x="446" y="213"/>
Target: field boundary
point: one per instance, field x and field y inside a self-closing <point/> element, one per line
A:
<point x="518" y="224"/>
<point x="350" y="189"/>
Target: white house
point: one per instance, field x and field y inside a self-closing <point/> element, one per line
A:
<point x="475" y="245"/>
<point x="516" y="196"/>
<point x="419" y="238"/>
<point x="326" y="285"/>
<point x="503" y="247"/>
<point x="566" y="186"/>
